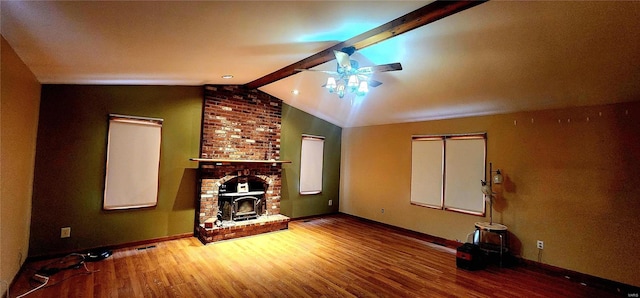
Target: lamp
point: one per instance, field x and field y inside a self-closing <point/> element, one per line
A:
<point x="349" y="76"/>
<point x="348" y="81"/>
<point x="487" y="188"/>
<point x="331" y="84"/>
<point x="341" y="90"/>
<point x="363" y="88"/>
<point x="353" y="82"/>
<point x="497" y="178"/>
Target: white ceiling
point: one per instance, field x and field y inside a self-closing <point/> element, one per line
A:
<point x="497" y="57"/>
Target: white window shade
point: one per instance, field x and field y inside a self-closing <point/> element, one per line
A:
<point x="133" y="161"/>
<point x="465" y="161"/>
<point x="426" y="172"/>
<point x="311" y="162"/>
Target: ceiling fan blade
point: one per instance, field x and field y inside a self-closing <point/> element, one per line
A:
<point x="380" y="68"/>
<point x="374" y="83"/>
<point x="317" y="70"/>
<point x="343" y="59"/>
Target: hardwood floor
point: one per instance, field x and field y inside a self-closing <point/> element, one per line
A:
<point x="333" y="256"/>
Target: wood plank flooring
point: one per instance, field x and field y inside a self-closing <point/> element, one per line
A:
<point x="333" y="256"/>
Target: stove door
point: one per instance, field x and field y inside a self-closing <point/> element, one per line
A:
<point x="245" y="208"/>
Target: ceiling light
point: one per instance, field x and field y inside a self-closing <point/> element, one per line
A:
<point x="227" y="76"/>
<point x="295" y="91"/>
<point x="349" y="77"/>
<point x="340" y="90"/>
<point x="363" y="88"/>
<point x="331" y="84"/>
<point x="353" y="82"/>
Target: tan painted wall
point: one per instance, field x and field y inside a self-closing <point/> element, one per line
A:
<point x="20" y="101"/>
<point x="572" y="180"/>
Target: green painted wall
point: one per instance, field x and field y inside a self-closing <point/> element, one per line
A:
<point x="70" y="165"/>
<point x="294" y="124"/>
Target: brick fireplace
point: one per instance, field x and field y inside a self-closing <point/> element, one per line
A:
<point x="240" y="172"/>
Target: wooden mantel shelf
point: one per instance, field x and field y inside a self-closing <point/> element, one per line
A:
<point x="229" y="161"/>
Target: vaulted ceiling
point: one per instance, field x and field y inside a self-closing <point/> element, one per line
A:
<point x="496" y="57"/>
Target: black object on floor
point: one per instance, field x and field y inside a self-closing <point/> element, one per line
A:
<point x="98" y="255"/>
<point x="470" y="257"/>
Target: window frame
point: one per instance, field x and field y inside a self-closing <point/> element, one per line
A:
<point x="445" y="154"/>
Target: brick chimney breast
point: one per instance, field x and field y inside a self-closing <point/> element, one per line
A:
<point x="239" y="124"/>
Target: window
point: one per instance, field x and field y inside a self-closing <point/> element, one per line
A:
<point x="427" y="166"/>
<point x="446" y="172"/>
<point x="311" y="160"/>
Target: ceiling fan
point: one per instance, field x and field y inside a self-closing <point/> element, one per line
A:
<point x="350" y="77"/>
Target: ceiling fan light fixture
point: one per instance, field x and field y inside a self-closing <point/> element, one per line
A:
<point x="340" y="90"/>
<point x="349" y="77"/>
<point x="331" y="84"/>
<point x="353" y="82"/>
<point x="363" y="88"/>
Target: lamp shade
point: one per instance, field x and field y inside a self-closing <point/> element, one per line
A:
<point x="331" y="84"/>
<point x="364" y="88"/>
<point x="353" y="82"/>
<point x="341" y="90"/>
<point x="497" y="178"/>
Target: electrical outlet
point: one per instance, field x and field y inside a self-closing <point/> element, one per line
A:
<point x="540" y="244"/>
<point x="330" y="202"/>
<point x="65" y="232"/>
<point x="382" y="210"/>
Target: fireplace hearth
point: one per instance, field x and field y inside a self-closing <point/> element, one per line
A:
<point x="239" y="199"/>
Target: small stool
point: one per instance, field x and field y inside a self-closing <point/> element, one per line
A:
<point x="497" y="229"/>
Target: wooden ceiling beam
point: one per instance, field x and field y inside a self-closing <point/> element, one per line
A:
<point x="415" y="19"/>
